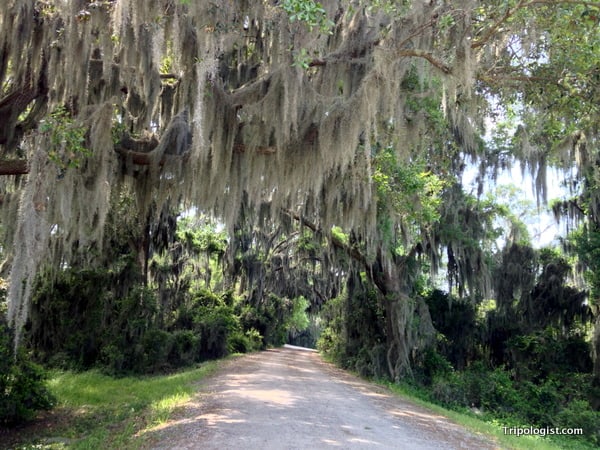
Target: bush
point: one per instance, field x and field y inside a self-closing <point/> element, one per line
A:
<point x="492" y="390"/>
<point x="22" y="383"/>
<point x="185" y="348"/>
<point x="255" y="339"/>
<point x="449" y="390"/>
<point x="579" y="414"/>
<point x="239" y="342"/>
<point x="331" y="345"/>
<point x="272" y="318"/>
<point x="215" y="325"/>
<point x="156" y="349"/>
<point x="433" y="364"/>
<point x="112" y="359"/>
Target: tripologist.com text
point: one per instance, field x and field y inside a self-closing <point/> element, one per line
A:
<point x="547" y="431"/>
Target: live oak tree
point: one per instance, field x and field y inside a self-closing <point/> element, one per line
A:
<point x="282" y="107"/>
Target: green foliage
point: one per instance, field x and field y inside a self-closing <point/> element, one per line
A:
<point x="354" y="336"/>
<point x="67" y="139"/>
<point x="23" y="389"/>
<point x="331" y="342"/>
<point x="586" y="242"/>
<point x="204" y="238"/>
<point x="558" y="402"/>
<point x="298" y="320"/>
<point x="184" y="349"/>
<point x="215" y="322"/>
<point x="309" y="12"/>
<point x="272" y="318"/>
<point x="339" y="234"/>
<point x="542" y="353"/>
<point x="433" y="366"/>
<point x="76" y="325"/>
<point x="302" y="59"/>
<point x="391" y="7"/>
<point x="239" y="342"/>
<point x="409" y="192"/>
<point x="456" y="320"/>
<point x="579" y="414"/>
<point x="537" y="339"/>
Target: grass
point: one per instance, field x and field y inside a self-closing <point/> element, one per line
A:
<point x="98" y="411"/>
<point x="479" y="424"/>
<point x="490" y="427"/>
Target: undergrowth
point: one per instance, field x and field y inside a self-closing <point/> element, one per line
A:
<point x="482" y="422"/>
<point x="101" y="411"/>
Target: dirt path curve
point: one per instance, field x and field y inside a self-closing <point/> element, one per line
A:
<point x="290" y="399"/>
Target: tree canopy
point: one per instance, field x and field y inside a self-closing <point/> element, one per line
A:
<point x="354" y="114"/>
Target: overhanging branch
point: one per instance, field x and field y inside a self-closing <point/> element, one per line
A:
<point x="352" y="251"/>
<point x="437" y="63"/>
<point x="14" y="167"/>
<point x="522" y="4"/>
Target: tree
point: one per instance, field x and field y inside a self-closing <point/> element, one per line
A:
<point x="266" y="106"/>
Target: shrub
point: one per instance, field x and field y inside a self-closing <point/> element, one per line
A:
<point x="156" y="349"/>
<point x="255" y="339"/>
<point x="271" y="318"/>
<point x="331" y="345"/>
<point x="215" y="325"/>
<point x="22" y="383"/>
<point x="239" y="342"/>
<point x="185" y="348"/>
<point x="449" y="390"/>
<point x="433" y="364"/>
<point x="579" y="414"/>
<point x="112" y="359"/>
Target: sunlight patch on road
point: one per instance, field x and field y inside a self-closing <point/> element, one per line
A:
<point x="208" y="419"/>
<point x="276" y="396"/>
<point x="214" y="419"/>
<point x="362" y="441"/>
<point x="367" y="393"/>
<point x="417" y="415"/>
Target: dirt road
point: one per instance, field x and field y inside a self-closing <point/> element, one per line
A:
<point x="290" y="399"/>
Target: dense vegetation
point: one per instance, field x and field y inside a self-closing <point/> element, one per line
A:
<point x="196" y="179"/>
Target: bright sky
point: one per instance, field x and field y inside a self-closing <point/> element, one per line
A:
<point x="541" y="224"/>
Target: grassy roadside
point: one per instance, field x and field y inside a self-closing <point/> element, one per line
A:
<point x="97" y="411"/>
<point x="490" y="427"/>
<point x="478" y="423"/>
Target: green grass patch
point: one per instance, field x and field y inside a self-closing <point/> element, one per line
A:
<point x="99" y="411"/>
<point x="488" y="426"/>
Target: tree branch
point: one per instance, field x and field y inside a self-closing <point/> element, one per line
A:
<point x="353" y="252"/>
<point x="492" y="79"/>
<point x="427" y="56"/>
<point x="490" y="32"/>
<point x="521" y="5"/>
<point x="14" y="167"/>
<point x="401" y="53"/>
<point x="260" y="150"/>
<point x="140" y="157"/>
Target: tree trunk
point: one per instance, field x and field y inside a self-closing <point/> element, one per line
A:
<point x="596" y="355"/>
<point x="402" y="313"/>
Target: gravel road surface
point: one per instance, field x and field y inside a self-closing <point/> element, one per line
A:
<point x="289" y="398"/>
